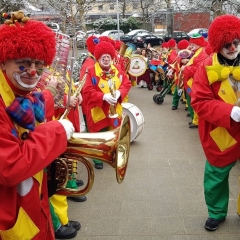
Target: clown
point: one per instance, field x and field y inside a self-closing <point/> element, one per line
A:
<point x="197" y="44"/>
<point x="26" y="146"/>
<point x="215" y="98"/>
<point x="96" y="91"/>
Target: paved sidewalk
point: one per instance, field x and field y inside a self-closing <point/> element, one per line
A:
<point x="162" y="194"/>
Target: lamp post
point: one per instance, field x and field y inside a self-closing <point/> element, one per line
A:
<point x="118" y="21"/>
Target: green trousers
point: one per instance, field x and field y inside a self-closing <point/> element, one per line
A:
<point x="55" y="219"/>
<point x="176" y="97"/>
<point x="190" y="109"/>
<point x="216" y="190"/>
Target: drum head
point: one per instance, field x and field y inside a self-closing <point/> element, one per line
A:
<point x="136" y="119"/>
<point x="138" y="65"/>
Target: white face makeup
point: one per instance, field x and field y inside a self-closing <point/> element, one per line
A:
<point x="18" y="77"/>
<point x="231" y="50"/>
<point x="105" y="60"/>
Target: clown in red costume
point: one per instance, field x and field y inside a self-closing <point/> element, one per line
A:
<point x="197" y="44"/>
<point x="182" y="59"/>
<point x="26" y="146"/>
<point x="215" y="98"/>
<point x="102" y="76"/>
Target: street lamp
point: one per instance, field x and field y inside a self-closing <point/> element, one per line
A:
<point x="118" y="21"/>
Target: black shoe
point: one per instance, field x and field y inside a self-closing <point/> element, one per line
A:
<point x="188" y="115"/>
<point x="186" y="108"/>
<point x="65" y="232"/>
<point x="183" y="102"/>
<point x="192" y="125"/>
<point x="98" y="165"/>
<point x="78" y="198"/>
<point x="174" y="107"/>
<point x="79" y="183"/>
<point x="212" y="224"/>
<point x="74" y="224"/>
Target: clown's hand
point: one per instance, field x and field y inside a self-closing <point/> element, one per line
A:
<point x="235" y="114"/>
<point x="109" y="98"/>
<point x="118" y="94"/>
<point x="68" y="127"/>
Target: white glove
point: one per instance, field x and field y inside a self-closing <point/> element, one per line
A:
<point x="118" y="94"/>
<point x="68" y="126"/>
<point x="235" y="114"/>
<point x="179" y="92"/>
<point x="109" y="98"/>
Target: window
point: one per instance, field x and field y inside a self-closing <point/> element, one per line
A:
<point x="112" y="6"/>
<point x="100" y="7"/>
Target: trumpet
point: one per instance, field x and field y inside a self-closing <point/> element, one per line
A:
<point x="112" y="89"/>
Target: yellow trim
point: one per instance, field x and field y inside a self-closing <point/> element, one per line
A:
<point x="195" y="55"/>
<point x="8" y="96"/>
<point x="24" y="228"/>
<point x="222" y="138"/>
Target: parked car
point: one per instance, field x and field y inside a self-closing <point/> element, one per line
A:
<point x="54" y="26"/>
<point x="202" y="31"/>
<point x="142" y="40"/>
<point x="129" y="36"/>
<point x="177" y="36"/>
<point x="114" y="34"/>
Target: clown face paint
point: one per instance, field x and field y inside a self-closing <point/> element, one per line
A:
<point x="105" y="61"/>
<point x="231" y="50"/>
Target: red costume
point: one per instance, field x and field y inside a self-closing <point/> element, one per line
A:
<point x="219" y="135"/>
<point x="96" y="86"/>
<point x="24" y="209"/>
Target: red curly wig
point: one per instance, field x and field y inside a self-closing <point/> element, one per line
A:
<point x="224" y="29"/>
<point x="30" y="40"/>
<point x="91" y="43"/>
<point x="104" y="48"/>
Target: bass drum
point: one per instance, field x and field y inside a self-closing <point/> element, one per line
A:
<point x="136" y="119"/>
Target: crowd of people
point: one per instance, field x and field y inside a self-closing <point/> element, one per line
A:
<point x="33" y="135"/>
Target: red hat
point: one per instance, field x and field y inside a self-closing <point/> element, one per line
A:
<point x="118" y="44"/>
<point x="30" y="39"/>
<point x="91" y="43"/>
<point x="171" y="43"/>
<point x="105" y="38"/>
<point x="104" y="48"/>
<point x="224" y="29"/>
<point x="197" y="39"/>
<point x="164" y="45"/>
<point x="183" y="44"/>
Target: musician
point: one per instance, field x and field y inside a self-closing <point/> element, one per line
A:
<point x="181" y="60"/>
<point x="65" y="228"/>
<point x="197" y="44"/>
<point x="27" y="146"/>
<point x="91" y="43"/>
<point x="172" y="53"/>
<point x="144" y="80"/>
<point x="96" y="91"/>
<point x="215" y="98"/>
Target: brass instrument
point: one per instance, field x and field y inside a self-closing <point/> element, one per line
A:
<point x="112" y="89"/>
<point x="76" y="94"/>
<point x="112" y="147"/>
<point x="183" y="54"/>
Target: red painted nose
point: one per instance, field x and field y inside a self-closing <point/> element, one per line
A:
<point x="33" y="72"/>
